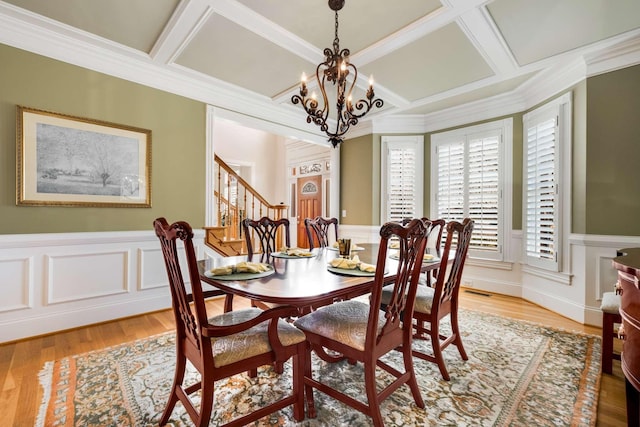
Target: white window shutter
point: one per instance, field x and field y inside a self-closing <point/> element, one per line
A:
<point x="469" y="184"/>
<point x="402" y="174"/>
<point x="484" y="192"/>
<point x="541" y="206"/>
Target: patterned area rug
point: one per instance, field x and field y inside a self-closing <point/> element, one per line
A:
<point x="518" y="374"/>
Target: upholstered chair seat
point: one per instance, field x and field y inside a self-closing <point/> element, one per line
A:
<point x="251" y="342"/>
<point x="344" y="322"/>
<point x="424" y="298"/>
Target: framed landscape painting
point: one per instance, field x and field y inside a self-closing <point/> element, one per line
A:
<point x="72" y="161"/>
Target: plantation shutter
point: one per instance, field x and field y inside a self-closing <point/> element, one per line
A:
<point x="451" y="181"/>
<point x="541" y="195"/>
<point x="402" y="173"/>
<point x="469" y="184"/>
<point x="402" y="188"/>
<point x="483" y="192"/>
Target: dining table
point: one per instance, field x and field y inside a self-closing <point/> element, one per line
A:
<point x="303" y="281"/>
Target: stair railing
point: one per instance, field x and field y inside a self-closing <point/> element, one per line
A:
<point x="235" y="200"/>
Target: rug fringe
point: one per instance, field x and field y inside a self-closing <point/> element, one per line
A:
<point x="45" y="377"/>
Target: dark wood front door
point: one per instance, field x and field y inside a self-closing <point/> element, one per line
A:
<point x="309" y="204"/>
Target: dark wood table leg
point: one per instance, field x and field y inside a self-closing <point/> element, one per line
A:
<point x="633" y="404"/>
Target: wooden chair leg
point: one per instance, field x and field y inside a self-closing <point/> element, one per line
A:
<point x="437" y="351"/>
<point x="607" y="343"/>
<point x="608" y="337"/>
<point x="308" y="389"/>
<point x="206" y="402"/>
<point x="407" y="356"/>
<point x="458" y="338"/>
<point x="173" y="396"/>
<point x="372" y="393"/>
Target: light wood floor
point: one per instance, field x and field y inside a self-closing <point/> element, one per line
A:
<point x="21" y="361"/>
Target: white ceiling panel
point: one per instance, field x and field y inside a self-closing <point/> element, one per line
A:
<point x="250" y="62"/>
<point x="536" y="30"/>
<point x="136" y="24"/>
<point x="361" y="22"/>
<point x="440" y="61"/>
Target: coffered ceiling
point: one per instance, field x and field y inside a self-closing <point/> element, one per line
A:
<point x="427" y="57"/>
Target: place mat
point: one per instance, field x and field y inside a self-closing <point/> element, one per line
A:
<point x="289" y="256"/>
<point x="240" y="276"/>
<point x="352" y="272"/>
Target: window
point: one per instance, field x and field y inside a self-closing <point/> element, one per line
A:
<point x="468" y="170"/>
<point x="545" y="129"/>
<point x="402" y="177"/>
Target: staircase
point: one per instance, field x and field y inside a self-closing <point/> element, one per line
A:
<point x="235" y="200"/>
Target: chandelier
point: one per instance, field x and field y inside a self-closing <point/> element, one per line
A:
<point x="336" y="69"/>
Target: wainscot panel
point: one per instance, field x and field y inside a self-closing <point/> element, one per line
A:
<point x="52" y="282"/>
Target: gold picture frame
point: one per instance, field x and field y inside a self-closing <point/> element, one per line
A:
<point x="64" y="160"/>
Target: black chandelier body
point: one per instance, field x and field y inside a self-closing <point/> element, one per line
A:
<point x="335" y="69"/>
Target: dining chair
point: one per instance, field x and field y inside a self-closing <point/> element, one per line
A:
<point x="434" y="241"/>
<point x="318" y="230"/>
<point x="435" y="227"/>
<point x="224" y="345"/>
<point x="435" y="303"/>
<point x="266" y="231"/>
<point x="360" y="331"/>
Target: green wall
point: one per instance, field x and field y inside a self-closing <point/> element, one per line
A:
<point x="360" y="180"/>
<point x="178" y="143"/>
<point x="613" y="153"/>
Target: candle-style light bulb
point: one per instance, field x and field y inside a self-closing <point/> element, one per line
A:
<point x="313" y="96"/>
<point x="303" y="79"/>
<point x="370" y="81"/>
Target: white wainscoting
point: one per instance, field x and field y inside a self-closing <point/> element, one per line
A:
<point x="52" y="282"/>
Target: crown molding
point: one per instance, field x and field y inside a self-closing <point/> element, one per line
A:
<point x="620" y="56"/>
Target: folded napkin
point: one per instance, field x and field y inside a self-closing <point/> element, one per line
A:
<point x="394" y="245"/>
<point x="222" y="271"/>
<point x="369" y="268"/>
<point x="344" y="263"/>
<point x="251" y="267"/>
<point x="427" y="257"/>
<point x="295" y="252"/>
<point x="241" y="267"/>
